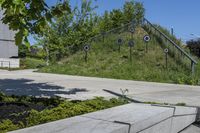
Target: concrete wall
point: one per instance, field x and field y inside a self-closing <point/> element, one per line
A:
<point x="7" y="44"/>
<point x="9" y="63"/>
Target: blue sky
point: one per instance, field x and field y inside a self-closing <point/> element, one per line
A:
<point x="182" y="15"/>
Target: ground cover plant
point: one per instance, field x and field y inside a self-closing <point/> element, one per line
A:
<point x="22" y="111"/>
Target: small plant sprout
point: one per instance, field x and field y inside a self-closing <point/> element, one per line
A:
<point x="124" y="91"/>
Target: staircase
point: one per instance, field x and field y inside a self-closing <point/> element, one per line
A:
<point x="178" y="53"/>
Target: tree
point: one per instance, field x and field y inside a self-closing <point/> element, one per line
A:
<point x="105" y="23"/>
<point x="133" y="11"/>
<point x="128" y="10"/>
<point x="23" y="50"/>
<point x="116" y="17"/>
<point x="194" y="46"/>
<point x="68" y="33"/>
<point x="30" y="16"/>
<point x="139" y="12"/>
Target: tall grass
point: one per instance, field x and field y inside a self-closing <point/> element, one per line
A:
<point x="104" y="60"/>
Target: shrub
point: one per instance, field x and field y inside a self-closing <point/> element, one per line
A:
<point x="7" y="125"/>
<point x="32" y="63"/>
<point x="64" y="109"/>
<point x="70" y="109"/>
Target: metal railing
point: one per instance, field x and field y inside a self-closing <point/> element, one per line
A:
<point x="169" y="42"/>
<point x="105" y="33"/>
<point x="7" y="40"/>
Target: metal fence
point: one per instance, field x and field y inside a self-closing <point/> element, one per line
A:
<point x="117" y="30"/>
<point x="8" y="64"/>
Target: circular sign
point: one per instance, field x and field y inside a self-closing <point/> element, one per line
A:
<point x="166" y="50"/>
<point x="120" y="41"/>
<point x="147" y="38"/>
<point x="131" y="43"/>
<point x="86" y="48"/>
<point x="132" y="30"/>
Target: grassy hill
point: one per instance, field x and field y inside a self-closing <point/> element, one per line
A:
<point x="105" y="60"/>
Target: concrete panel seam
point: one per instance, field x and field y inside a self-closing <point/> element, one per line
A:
<point x="155" y="124"/>
<point x="184" y="129"/>
<point x="184" y="115"/>
<point x="159" y="121"/>
<point x="158" y="105"/>
<point x="124" y="123"/>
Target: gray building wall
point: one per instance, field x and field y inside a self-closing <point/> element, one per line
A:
<point x="7" y="44"/>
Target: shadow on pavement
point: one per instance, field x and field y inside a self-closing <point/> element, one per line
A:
<point x="26" y="87"/>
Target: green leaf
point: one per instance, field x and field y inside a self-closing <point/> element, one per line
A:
<point x="19" y="38"/>
<point x="17" y="2"/>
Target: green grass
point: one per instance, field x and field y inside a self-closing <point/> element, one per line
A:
<point x="31" y="63"/>
<point x="104" y="60"/>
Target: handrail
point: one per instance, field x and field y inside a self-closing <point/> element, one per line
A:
<point x="100" y="34"/>
<point x="166" y="37"/>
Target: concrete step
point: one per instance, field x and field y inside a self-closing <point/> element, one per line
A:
<point x="191" y="129"/>
<point x="130" y="118"/>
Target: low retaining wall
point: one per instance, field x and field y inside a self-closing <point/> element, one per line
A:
<point x="9" y="63"/>
<point x="130" y="118"/>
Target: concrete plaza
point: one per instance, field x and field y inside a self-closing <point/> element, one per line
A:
<point x="27" y="82"/>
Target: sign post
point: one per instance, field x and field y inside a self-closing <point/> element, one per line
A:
<point x="120" y="42"/>
<point x="132" y="30"/>
<point x="86" y="48"/>
<point x="166" y="51"/>
<point x="146" y="40"/>
<point x="131" y="45"/>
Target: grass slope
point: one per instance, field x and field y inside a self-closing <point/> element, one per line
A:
<point x="104" y="60"/>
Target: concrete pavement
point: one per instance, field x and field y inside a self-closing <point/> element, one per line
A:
<point x="191" y="129"/>
<point x="26" y="82"/>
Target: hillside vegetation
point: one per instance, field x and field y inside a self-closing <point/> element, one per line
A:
<point x="104" y="60"/>
<point x="63" y="41"/>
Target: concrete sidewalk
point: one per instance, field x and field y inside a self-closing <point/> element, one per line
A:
<point x="26" y="82"/>
<point x="191" y="129"/>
